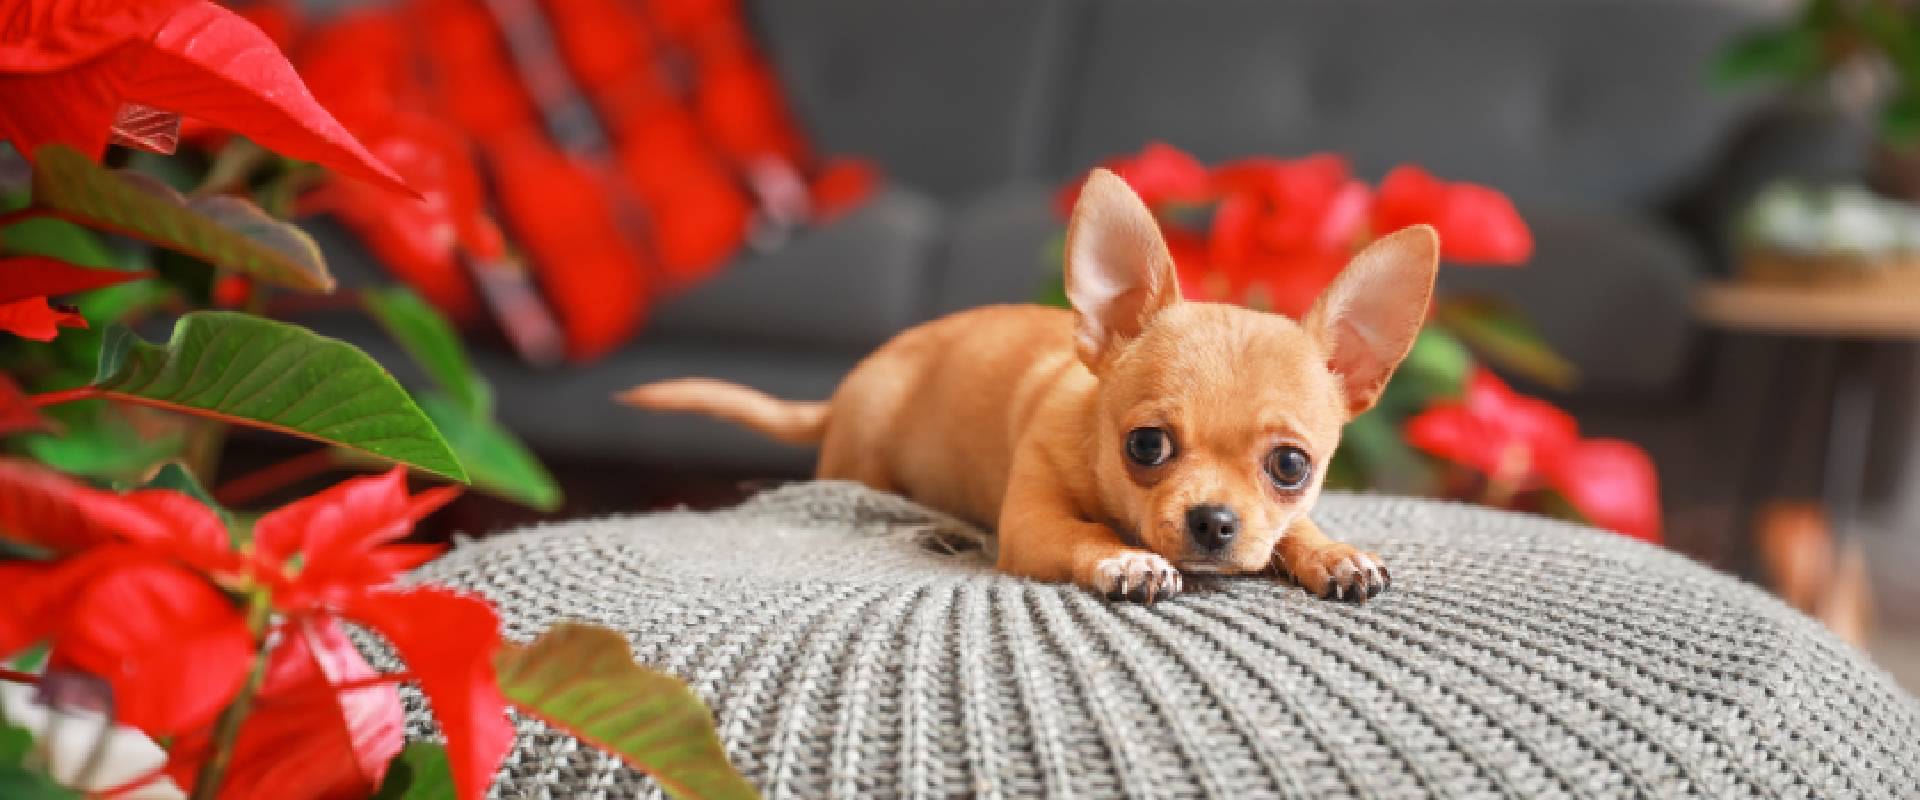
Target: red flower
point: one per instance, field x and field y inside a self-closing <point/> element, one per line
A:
<point x="1525" y="444"/>
<point x="1613" y="484"/>
<point x="142" y="594"/>
<point x="174" y="648"/>
<point x="304" y="731"/>
<point x="34" y="319"/>
<point x="24" y="277"/>
<point x="337" y="551"/>
<point x="1494" y="431"/>
<point x="27" y="281"/>
<point x="1160" y="173"/>
<point x="458" y="680"/>
<point x="69" y="67"/>
<point x="232" y="291"/>
<point x="1284" y="229"/>
<point x="132" y="580"/>
<point x="319" y="551"/>
<point x="1476" y="224"/>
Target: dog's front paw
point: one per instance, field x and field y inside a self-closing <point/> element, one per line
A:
<point x="1337" y="571"/>
<point x="1135" y="575"/>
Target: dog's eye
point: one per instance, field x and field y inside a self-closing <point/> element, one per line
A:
<point x="1288" y="467"/>
<point x="1149" y="447"/>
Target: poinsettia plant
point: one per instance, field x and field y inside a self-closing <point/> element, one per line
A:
<point x="224" y="637"/>
<point x="77" y="76"/>
<point x="195" y="647"/>
<point x="1271" y="233"/>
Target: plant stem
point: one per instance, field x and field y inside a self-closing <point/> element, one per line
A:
<point x="23" y="214"/>
<point x="45" y="399"/>
<point x="261" y="482"/>
<point x="1504" y="484"/>
<point x="368" y="683"/>
<point x="227" y="729"/>
<point x="138" y="783"/>
<point x="18" y="677"/>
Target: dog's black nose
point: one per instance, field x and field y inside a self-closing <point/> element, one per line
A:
<point x="1212" y="525"/>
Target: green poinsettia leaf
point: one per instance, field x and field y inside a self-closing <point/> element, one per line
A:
<point x="78" y="349"/>
<point x="419" y="772"/>
<point x="1374" y="456"/>
<point x="57" y="238"/>
<point x="1501" y="334"/>
<point x="32" y="659"/>
<point x="1053" y="280"/>
<point x="226" y="232"/>
<point x="1437" y="365"/>
<point x="497" y="463"/>
<point x="1900" y="118"/>
<point x="251" y="371"/>
<point x="95" y="440"/>
<point x="431" y="341"/>
<point x="107" y="448"/>
<point x="16" y="779"/>
<point x="582" y="678"/>
<point x="20" y="783"/>
<point x="175" y="476"/>
<point x="14" y="744"/>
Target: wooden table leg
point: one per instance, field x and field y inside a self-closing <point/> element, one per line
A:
<point x="1846" y="605"/>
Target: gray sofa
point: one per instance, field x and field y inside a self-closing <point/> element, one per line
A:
<point x="1597" y="116"/>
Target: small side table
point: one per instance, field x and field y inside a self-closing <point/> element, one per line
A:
<point x="1856" y="321"/>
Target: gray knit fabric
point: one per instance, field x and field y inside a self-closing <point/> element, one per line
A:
<point x="1514" y="657"/>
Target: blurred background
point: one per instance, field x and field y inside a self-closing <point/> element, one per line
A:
<point x="1722" y="267"/>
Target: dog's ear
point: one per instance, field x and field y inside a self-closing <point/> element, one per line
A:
<point x="1367" y="318"/>
<point x="1119" y="272"/>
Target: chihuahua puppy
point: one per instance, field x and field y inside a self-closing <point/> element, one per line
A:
<point x="1131" y="439"/>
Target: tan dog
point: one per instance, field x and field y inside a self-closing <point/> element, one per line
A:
<point x="1132" y="438"/>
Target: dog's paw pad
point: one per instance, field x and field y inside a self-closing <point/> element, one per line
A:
<point x="1137" y="576"/>
<point x="1340" y="572"/>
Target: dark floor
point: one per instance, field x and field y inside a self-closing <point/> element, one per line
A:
<point x="592" y="488"/>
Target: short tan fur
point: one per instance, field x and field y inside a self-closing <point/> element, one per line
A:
<point x="1133" y="439"/>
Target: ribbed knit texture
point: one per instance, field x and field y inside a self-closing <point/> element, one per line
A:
<point x="1513" y="657"/>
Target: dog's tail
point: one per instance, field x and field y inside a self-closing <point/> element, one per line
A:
<point x="789" y="421"/>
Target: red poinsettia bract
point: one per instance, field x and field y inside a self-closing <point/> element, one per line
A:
<point x="68" y="68"/>
<point x="1279" y="230"/>
<point x="27" y="281"/>
<point x="34" y="318"/>
<point x="1477" y="224"/>
<point x="146" y="589"/>
<point x="1160" y="173"/>
<point x="1526" y="444"/>
<point x="304" y="731"/>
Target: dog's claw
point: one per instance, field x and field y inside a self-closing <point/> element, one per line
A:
<point x="1137" y="576"/>
<point x="1340" y="572"/>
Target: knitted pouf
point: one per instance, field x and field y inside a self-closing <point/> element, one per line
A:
<point x="845" y="655"/>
